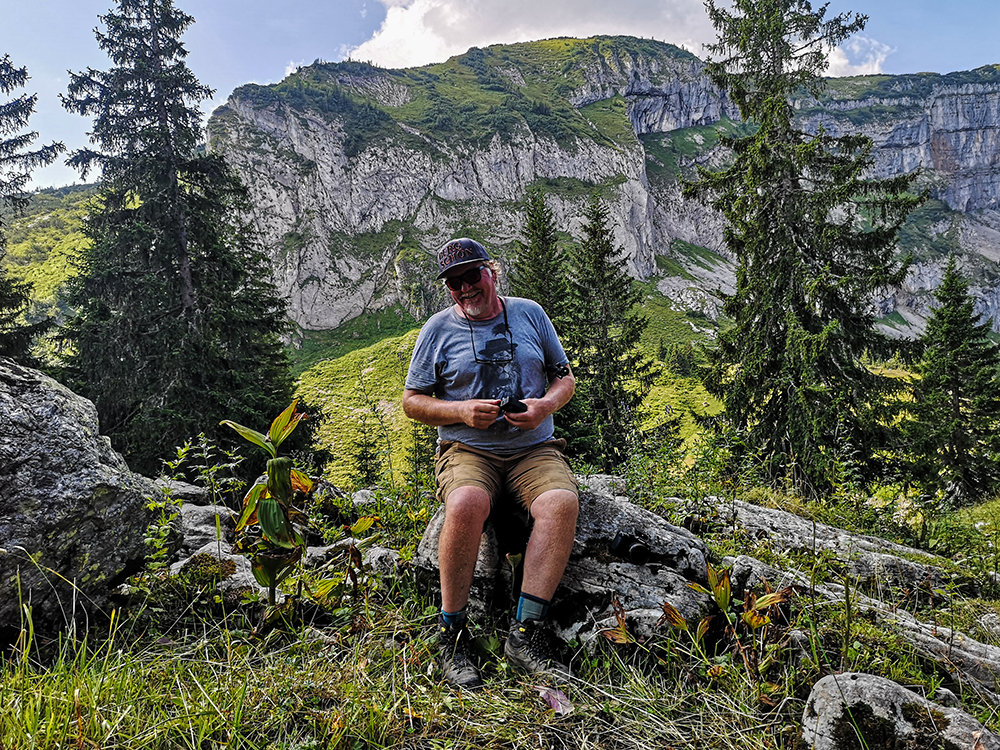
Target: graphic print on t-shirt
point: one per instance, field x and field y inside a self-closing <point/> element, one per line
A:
<point x="500" y="370"/>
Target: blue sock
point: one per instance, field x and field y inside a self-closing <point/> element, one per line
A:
<point x="455" y="618"/>
<point x="531" y="607"/>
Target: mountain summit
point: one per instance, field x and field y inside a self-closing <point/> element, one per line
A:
<point x="359" y="173"/>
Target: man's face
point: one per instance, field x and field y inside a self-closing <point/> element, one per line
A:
<point x="477" y="300"/>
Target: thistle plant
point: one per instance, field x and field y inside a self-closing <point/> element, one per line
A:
<point x="279" y="545"/>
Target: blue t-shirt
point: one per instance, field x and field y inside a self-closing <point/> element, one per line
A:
<point x="490" y="362"/>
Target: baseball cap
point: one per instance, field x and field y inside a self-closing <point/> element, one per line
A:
<point x="460" y="252"/>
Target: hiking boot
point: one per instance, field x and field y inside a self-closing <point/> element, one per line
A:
<point x="454" y="644"/>
<point x="529" y="648"/>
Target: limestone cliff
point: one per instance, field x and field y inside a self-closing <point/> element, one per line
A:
<point x="948" y="128"/>
<point x="354" y="168"/>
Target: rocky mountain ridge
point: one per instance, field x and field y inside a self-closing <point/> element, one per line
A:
<point x="359" y="173"/>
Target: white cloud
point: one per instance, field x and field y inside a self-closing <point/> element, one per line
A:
<point x="858" y="57"/>
<point x="419" y="32"/>
<point x="293" y="66"/>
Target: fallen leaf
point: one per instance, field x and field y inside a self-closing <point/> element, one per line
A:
<point x="556" y="700"/>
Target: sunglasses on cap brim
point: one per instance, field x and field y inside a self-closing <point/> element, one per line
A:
<point x="470" y="277"/>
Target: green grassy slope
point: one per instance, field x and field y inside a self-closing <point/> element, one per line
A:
<point x="43" y="244"/>
<point x="899" y="87"/>
<point x="363" y="386"/>
<point x="470" y="98"/>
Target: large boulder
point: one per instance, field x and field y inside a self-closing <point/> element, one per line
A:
<point x="72" y="515"/>
<point x="856" y="710"/>
<point x="600" y="573"/>
<point x="871" y="563"/>
<point x="877" y="576"/>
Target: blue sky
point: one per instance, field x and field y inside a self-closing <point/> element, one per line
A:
<point x="239" y="41"/>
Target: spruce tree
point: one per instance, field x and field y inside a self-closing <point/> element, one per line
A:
<point x="602" y="333"/>
<point x="366" y="461"/>
<point x="814" y="237"/>
<point x="177" y="321"/>
<point x="956" y="401"/>
<point x="538" y="271"/>
<point x="420" y="453"/>
<point x="16" y="165"/>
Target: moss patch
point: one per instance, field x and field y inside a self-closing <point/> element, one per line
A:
<point x="206" y="570"/>
<point x="860" y="729"/>
<point x="928" y="725"/>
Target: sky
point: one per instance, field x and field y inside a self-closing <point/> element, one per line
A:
<point x="233" y="42"/>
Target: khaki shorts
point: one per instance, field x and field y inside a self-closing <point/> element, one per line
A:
<point x="523" y="476"/>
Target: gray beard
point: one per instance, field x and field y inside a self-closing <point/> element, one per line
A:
<point x="475" y="310"/>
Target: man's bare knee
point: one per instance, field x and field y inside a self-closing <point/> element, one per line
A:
<point x="556" y="505"/>
<point x="467" y="506"/>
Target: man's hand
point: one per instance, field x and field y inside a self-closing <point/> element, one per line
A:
<point x="480" y="413"/>
<point x="538" y="410"/>
<point x="476" y="413"/>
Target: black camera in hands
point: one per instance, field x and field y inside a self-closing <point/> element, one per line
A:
<point x="511" y="405"/>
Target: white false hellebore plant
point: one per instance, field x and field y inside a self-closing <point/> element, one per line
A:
<point x="269" y="505"/>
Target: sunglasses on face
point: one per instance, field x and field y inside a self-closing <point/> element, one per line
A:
<point x="470" y="277"/>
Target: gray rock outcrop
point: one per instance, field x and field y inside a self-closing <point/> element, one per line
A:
<point x="868" y="562"/>
<point x="855" y="710"/>
<point x="206" y="524"/>
<point x="231" y="572"/>
<point x="947" y="125"/>
<point x="312" y="196"/>
<point x="877" y="576"/>
<point x="596" y="576"/>
<point x="71" y="512"/>
<point x="183" y="492"/>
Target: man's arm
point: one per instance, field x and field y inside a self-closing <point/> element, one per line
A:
<point x="481" y="413"/>
<point x="556" y="397"/>
<point x="477" y="413"/>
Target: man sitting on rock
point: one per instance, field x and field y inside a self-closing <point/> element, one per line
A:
<point x="489" y="372"/>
